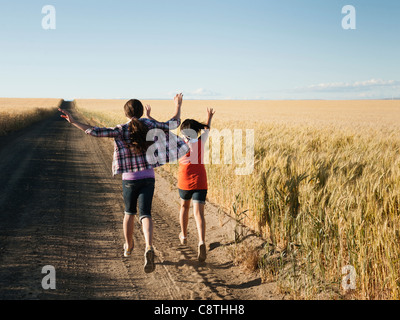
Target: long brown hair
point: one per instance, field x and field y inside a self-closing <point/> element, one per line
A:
<point x="191" y="127"/>
<point x="138" y="130"/>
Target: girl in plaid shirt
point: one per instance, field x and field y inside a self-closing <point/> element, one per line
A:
<point x="135" y="158"/>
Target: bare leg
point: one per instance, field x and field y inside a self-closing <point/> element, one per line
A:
<point x="149" y="265"/>
<point x="128" y="226"/>
<point x="198" y="210"/>
<point x="147" y="224"/>
<point x="184" y="216"/>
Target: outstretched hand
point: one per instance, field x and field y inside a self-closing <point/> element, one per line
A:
<point x="148" y="110"/>
<point x="210" y="113"/>
<point x="66" y="115"/>
<point x="178" y="99"/>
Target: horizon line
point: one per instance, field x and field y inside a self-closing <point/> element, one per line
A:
<point x="196" y="99"/>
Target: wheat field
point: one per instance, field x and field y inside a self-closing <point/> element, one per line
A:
<point x="17" y="113"/>
<point x="324" y="193"/>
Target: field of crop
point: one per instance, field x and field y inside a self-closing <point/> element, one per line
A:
<point x="325" y="190"/>
<point x="18" y="113"/>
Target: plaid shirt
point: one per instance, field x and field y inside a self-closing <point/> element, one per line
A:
<point x="167" y="147"/>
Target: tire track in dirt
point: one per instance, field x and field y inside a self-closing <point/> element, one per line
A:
<point x="61" y="206"/>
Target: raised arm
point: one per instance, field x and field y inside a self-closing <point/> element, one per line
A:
<point x="210" y="115"/>
<point x="148" y="111"/>
<point x="174" y="122"/>
<point x="178" y="105"/>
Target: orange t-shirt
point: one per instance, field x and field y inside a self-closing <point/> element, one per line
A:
<point x="192" y="173"/>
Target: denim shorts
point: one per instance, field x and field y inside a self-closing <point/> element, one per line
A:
<point x="196" y="195"/>
<point x="138" y="193"/>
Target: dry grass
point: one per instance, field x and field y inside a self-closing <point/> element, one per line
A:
<point x="19" y="113"/>
<point x="246" y="257"/>
<point x="325" y="191"/>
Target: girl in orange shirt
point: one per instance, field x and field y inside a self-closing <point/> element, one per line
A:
<point x="192" y="180"/>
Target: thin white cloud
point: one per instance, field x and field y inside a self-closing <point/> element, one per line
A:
<point x="366" y="89"/>
<point x="358" y="86"/>
<point x="199" y="93"/>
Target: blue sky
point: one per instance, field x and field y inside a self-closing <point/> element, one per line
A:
<point x="220" y="49"/>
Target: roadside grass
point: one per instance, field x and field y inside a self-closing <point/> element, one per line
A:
<point x="324" y="193"/>
<point x="16" y="114"/>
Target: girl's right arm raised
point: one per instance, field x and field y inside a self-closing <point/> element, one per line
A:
<point x="175" y="120"/>
<point x="210" y="115"/>
<point x="178" y="104"/>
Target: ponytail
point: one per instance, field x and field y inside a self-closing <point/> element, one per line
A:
<point x="137" y="129"/>
<point x="138" y="133"/>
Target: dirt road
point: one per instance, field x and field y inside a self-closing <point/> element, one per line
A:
<point x="60" y="206"/>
